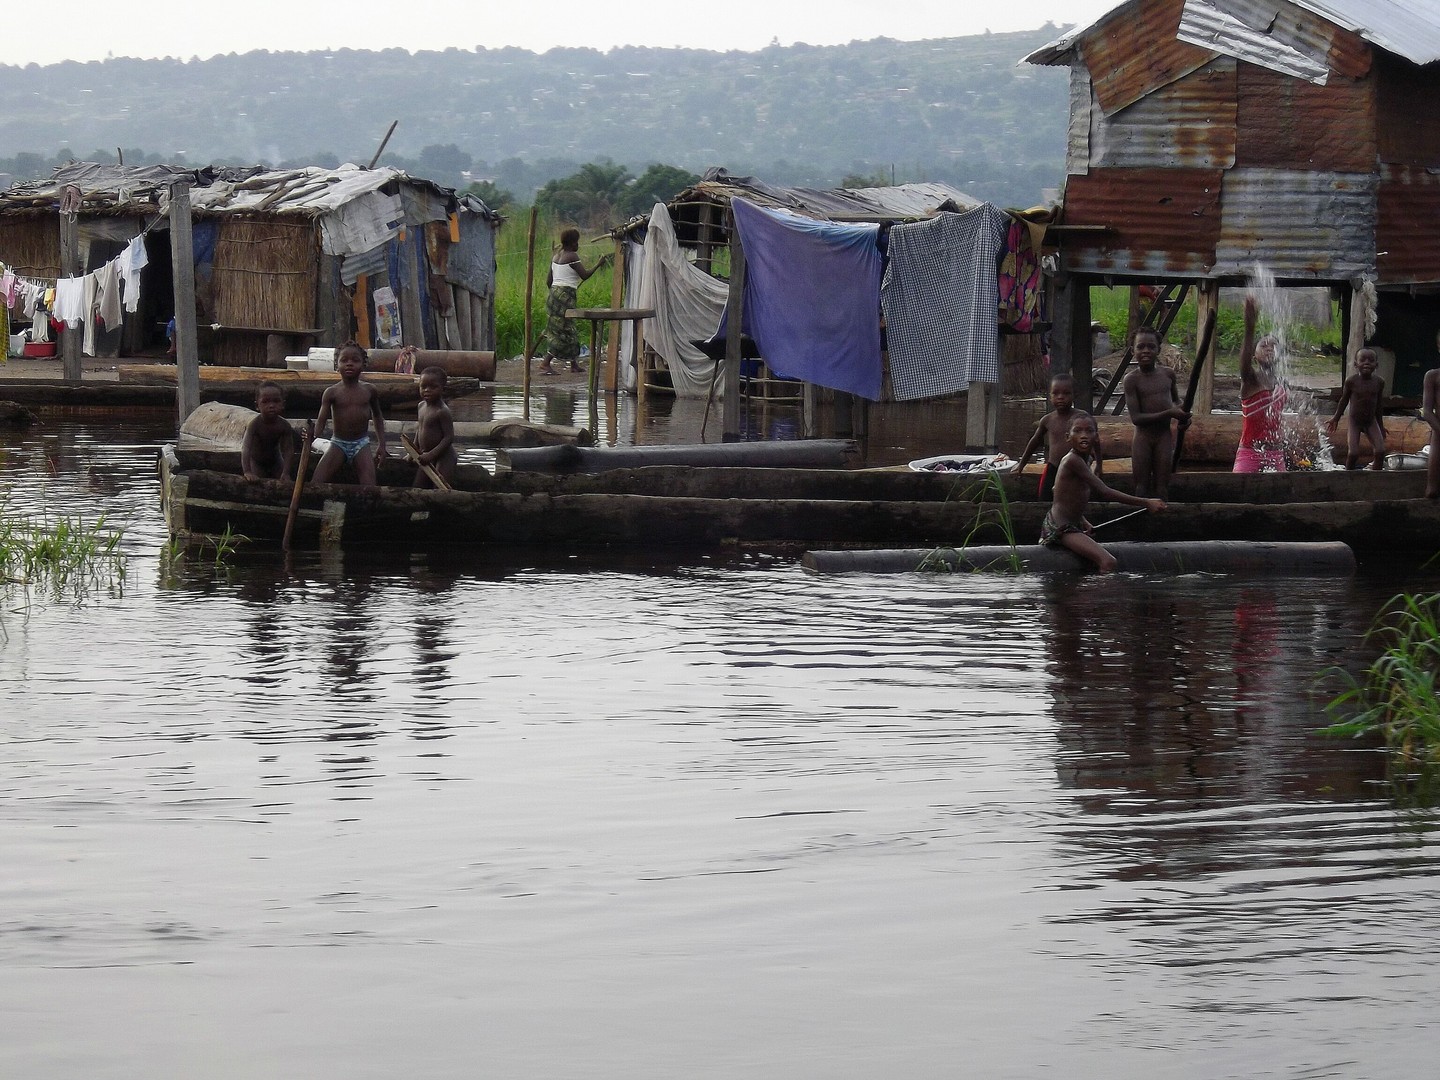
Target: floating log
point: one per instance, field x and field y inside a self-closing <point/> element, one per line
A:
<point x="1180" y="557"/>
<point x="802" y="454"/>
<point x="16" y="415"/>
<point x="1212" y="439"/>
<point x="165" y="374"/>
<point x="469" y="363"/>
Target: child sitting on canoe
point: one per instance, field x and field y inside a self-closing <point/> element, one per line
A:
<point x="351" y="405"/>
<point x="1054" y="429"/>
<point x="1065" y="525"/>
<point x="434" y="429"/>
<point x="270" y="441"/>
<point x="1362" y="393"/>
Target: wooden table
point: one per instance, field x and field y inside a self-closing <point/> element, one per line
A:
<point x="603" y="315"/>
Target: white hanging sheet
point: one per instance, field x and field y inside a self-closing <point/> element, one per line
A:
<point x="688" y="304"/>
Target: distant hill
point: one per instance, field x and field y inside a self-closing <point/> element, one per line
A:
<point x="960" y="110"/>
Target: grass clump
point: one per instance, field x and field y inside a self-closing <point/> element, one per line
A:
<point x="1397" y="696"/>
<point x="63" y="557"/>
<point x="991" y="489"/>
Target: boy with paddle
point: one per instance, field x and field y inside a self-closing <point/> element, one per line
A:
<point x="1065" y="525"/>
<point x="434" y="432"/>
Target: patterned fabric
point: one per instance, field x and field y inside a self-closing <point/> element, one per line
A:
<point x="1021" y="287"/>
<point x="940" y="296"/>
<point x="1052" y="535"/>
<point x="561" y="334"/>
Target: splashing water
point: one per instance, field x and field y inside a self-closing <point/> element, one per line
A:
<point x="1307" y="445"/>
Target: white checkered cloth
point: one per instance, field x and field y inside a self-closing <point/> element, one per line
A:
<point x="941" y="296"/>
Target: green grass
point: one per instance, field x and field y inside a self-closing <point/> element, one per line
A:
<point x="64" y="558"/>
<point x="510" y="280"/>
<point x="1112" y="307"/>
<point x="991" y="488"/>
<point x="1398" y="697"/>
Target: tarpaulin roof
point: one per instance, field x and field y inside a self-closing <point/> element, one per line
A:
<point x="837" y="204"/>
<point x="1409" y="29"/>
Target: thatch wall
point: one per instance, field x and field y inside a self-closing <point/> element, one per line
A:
<point x="265" y="274"/>
<point x="30" y="246"/>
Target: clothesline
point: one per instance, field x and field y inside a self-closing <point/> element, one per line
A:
<point x="90" y="299"/>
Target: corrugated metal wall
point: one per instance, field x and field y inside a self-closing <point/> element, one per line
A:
<point x="1135" y="52"/>
<point x="1298" y="224"/>
<point x="1406" y="235"/>
<point x="1160" y="222"/>
<point x="1188" y="124"/>
<point x="1288" y="123"/>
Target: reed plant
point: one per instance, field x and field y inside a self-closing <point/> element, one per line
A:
<point x="1398" y="694"/>
<point x="989" y="491"/>
<point x="63" y="557"/>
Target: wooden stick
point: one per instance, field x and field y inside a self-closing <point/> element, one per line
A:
<point x="305" y="437"/>
<point x="1122" y="517"/>
<point x="429" y="470"/>
<point x="383" y="143"/>
<point x="1204" y="350"/>
<point x="529" y="304"/>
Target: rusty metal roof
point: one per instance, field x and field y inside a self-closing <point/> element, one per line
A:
<point x="1409" y="29"/>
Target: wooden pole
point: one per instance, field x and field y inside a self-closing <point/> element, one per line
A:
<point x="1207" y="299"/>
<point x="529" y="306"/>
<point x="70" y="339"/>
<point x="412" y="323"/>
<point x="182" y="259"/>
<point x="383" y="143"/>
<point x="617" y="300"/>
<point x="734" y="333"/>
<point x="300" y="467"/>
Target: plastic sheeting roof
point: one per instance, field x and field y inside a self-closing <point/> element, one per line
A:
<point x="1407" y="28"/>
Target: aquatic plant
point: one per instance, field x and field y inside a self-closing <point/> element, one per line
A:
<point x="218" y="551"/>
<point x="1398" y="696"/>
<point x="990" y="489"/>
<point x="63" y="557"/>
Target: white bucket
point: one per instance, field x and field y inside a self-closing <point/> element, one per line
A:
<point x="297" y="363"/>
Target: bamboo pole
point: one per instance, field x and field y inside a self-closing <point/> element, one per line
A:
<point x="734" y="332"/>
<point x="617" y="300"/>
<point x="529" y="305"/>
<point x="182" y="258"/>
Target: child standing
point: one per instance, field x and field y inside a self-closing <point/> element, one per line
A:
<point x="351" y="404"/>
<point x="1065" y="525"/>
<point x="1054" y="430"/>
<point x="269" y="445"/>
<point x="1153" y="400"/>
<point x="1363" y="392"/>
<point x="434" y="429"/>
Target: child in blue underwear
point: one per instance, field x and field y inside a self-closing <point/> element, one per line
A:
<point x="351" y="405"/>
<point x="1065" y="525"/>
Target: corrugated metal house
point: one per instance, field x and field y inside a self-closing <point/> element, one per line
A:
<point x="1211" y="136"/>
<point x="282" y="258"/>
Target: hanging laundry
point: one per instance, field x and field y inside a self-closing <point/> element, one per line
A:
<point x="132" y="260"/>
<point x="812" y="297"/>
<point x="108" y="279"/>
<point x="69" y="304"/>
<point x="9" y="288"/>
<point x="1021" y="286"/>
<point x="687" y="302"/>
<point x="940" y="296"/>
<point x="92" y="298"/>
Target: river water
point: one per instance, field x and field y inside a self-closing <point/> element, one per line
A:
<point x="622" y="815"/>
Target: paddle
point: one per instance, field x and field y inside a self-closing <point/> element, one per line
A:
<point x="300" y="468"/>
<point x="1190" y="391"/>
<point x="429" y="470"/>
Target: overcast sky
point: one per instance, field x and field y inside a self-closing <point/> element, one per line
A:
<point x="91" y="30"/>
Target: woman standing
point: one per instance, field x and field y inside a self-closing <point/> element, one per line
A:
<point x="562" y="336"/>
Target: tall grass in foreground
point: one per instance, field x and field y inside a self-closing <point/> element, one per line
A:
<point x="939" y="560"/>
<point x="1397" y="696"/>
<point x="510" y="279"/>
<point x="63" y="557"/>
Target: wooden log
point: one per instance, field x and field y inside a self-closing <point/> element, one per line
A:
<point x="472" y="364"/>
<point x="1182" y="557"/>
<point x="809" y="453"/>
<point x="1212" y="439"/>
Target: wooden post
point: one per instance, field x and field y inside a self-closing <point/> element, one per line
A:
<point x="70" y="339"/>
<point x="182" y="260"/>
<point x="617" y="300"/>
<point x="1355" y="339"/>
<point x="529" y="304"/>
<point x="1207" y="299"/>
<point x="704" y="256"/>
<point x="1070" y="336"/>
<point x="734" y="333"/>
<point x="412" y="323"/>
<point x="1132" y="318"/>
<point x="810" y="411"/>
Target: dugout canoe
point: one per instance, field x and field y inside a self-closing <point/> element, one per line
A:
<point x="777" y="508"/>
<point x="1305" y="559"/>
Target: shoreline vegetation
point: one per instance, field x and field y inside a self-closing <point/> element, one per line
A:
<point x="62" y="558"/>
